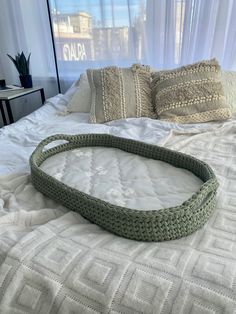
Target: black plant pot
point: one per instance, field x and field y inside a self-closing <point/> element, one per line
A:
<point x="26" y="81"/>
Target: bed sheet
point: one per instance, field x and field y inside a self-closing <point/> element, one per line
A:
<point x="54" y="261"/>
<point x="18" y="140"/>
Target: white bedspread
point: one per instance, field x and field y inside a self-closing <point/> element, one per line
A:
<point x="54" y="261"/>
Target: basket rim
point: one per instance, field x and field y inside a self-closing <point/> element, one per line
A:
<point x="161" y="224"/>
<point x="35" y="165"/>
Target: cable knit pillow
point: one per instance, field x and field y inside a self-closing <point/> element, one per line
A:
<point x="119" y="93"/>
<point x="190" y="94"/>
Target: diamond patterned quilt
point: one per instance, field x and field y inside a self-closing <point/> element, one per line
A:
<point x="55" y="261"/>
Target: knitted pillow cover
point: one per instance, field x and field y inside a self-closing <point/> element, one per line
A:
<point x="190" y="94"/>
<point x="119" y="93"/>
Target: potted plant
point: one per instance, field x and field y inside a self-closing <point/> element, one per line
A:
<point x="22" y="66"/>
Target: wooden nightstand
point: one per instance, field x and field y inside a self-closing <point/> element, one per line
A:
<point x="7" y="96"/>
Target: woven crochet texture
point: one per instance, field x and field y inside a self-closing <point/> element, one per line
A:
<point x="120" y="93"/>
<point x="190" y="94"/>
<point x="144" y="225"/>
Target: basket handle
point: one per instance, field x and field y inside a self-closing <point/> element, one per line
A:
<point x="56" y="137"/>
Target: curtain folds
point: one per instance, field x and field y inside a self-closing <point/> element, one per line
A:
<point x="185" y="31"/>
<point x="162" y="33"/>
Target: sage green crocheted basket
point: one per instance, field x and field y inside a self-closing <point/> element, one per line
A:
<point x="145" y="225"/>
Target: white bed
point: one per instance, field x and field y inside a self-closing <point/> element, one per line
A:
<point x="55" y="261"/>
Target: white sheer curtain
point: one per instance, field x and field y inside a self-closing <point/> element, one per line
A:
<point x="95" y="33"/>
<point x="162" y="33"/>
<point x="183" y="31"/>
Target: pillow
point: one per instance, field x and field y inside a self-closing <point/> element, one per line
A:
<point x="190" y="94"/>
<point x="81" y="99"/>
<point x="70" y="92"/>
<point x="229" y="84"/>
<point x="119" y="93"/>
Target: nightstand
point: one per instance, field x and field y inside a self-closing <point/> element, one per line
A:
<point x="6" y="96"/>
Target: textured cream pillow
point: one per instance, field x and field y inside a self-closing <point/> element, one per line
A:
<point x="81" y="100"/>
<point x="119" y="93"/>
<point x="229" y="84"/>
<point x="190" y="94"/>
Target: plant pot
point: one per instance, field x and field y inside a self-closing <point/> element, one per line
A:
<point x="26" y="81"/>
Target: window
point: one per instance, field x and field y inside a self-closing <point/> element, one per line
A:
<point x="98" y="32"/>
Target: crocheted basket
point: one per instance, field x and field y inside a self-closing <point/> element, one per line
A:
<point x="144" y="225"/>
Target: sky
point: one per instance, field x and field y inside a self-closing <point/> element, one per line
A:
<point x="120" y="14"/>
